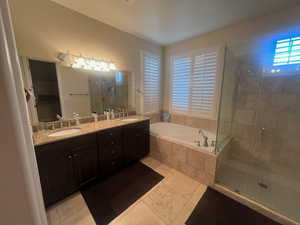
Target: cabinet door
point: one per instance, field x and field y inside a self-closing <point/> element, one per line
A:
<point x="56" y="171"/>
<point x="142" y="140"/>
<point x="85" y="160"/>
<point x="136" y="141"/>
<point x="110" y="150"/>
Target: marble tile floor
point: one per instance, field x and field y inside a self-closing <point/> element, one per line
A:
<point x="170" y="202"/>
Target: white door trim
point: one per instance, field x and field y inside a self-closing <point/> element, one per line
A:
<point x="20" y="185"/>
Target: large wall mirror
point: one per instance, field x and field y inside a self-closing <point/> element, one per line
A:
<point x="54" y="90"/>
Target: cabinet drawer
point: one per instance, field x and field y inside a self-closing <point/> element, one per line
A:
<point x="112" y="152"/>
<point x="110" y="166"/>
<point x="76" y="142"/>
<point x="112" y="137"/>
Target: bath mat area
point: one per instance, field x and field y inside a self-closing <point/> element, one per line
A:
<point x="215" y="208"/>
<point x="109" y="198"/>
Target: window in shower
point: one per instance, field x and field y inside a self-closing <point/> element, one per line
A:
<point x="287" y="52"/>
<point x="195" y="83"/>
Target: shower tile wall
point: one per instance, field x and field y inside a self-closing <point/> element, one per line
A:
<point x="259" y="114"/>
<point x="279" y="114"/>
<point x="244" y="129"/>
<point x="270" y="103"/>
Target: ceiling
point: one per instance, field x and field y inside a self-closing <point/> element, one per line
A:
<point x="168" y="21"/>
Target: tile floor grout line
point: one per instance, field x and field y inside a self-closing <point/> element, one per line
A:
<point x="154" y="212"/>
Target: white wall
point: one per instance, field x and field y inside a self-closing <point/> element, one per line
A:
<point x="44" y="28"/>
<point x="259" y="29"/>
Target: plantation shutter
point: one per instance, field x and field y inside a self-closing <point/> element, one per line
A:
<point x="203" y="83"/>
<point x="151" y="83"/>
<point x="194" y="84"/>
<point x="181" y="73"/>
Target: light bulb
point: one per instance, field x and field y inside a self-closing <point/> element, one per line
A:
<point x="112" y="66"/>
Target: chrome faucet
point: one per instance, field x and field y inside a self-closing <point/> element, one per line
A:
<point x="61" y="120"/>
<point x="205" y="144"/>
<point x="95" y="115"/>
<point x="76" y="118"/>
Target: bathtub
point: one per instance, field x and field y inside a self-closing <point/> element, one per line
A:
<point x="175" y="145"/>
<point x="181" y="134"/>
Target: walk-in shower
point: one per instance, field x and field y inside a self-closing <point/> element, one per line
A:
<point x="259" y="123"/>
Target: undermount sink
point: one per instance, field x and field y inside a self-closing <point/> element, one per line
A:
<point x="64" y="132"/>
<point x="129" y="120"/>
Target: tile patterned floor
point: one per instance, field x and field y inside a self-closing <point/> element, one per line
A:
<point x="170" y="202"/>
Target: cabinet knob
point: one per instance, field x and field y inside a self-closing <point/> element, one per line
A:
<point x="70" y="157"/>
<point x="112" y="142"/>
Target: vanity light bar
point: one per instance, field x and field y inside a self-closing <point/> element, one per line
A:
<point x="80" y="62"/>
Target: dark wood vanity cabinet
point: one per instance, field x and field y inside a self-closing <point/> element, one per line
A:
<point x="110" y="151"/>
<point x="136" y="141"/>
<point x="66" y="165"/>
<point x="56" y="172"/>
<point x="85" y="160"/>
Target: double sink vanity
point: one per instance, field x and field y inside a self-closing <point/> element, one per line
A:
<point x="68" y="159"/>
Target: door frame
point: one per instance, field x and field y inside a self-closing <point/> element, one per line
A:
<point x="18" y="165"/>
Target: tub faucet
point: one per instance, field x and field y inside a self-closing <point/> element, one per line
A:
<point x="205" y="144"/>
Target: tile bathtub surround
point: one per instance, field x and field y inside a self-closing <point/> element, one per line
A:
<point x="156" y="117"/>
<point x="196" y="122"/>
<point x="196" y="164"/>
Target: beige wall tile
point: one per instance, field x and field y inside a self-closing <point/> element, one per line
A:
<point x="245" y="116"/>
<point x="179" y="155"/>
<point x="179" y="119"/>
<point x="165" y="150"/>
<point x="195" y="159"/>
<point x="204" y="178"/>
<point x="210" y="165"/>
<point x="154" y="152"/>
<point x="196" y="122"/>
<point x="190" y="162"/>
<point x="155" y="118"/>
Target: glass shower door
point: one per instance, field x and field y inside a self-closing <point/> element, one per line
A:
<point x="259" y="116"/>
<point x="278" y="143"/>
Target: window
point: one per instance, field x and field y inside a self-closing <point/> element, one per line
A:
<point x="287" y="52"/>
<point x="194" y="84"/>
<point x="151" y="83"/>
